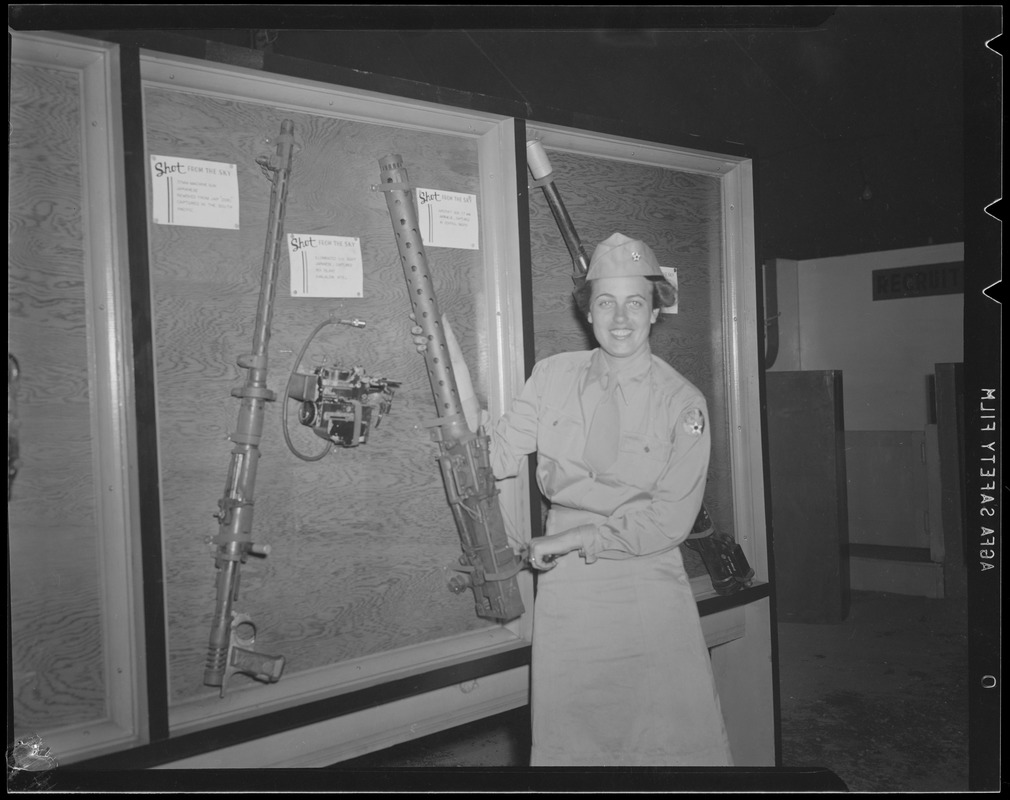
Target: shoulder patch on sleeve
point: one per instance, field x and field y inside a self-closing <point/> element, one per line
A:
<point x="694" y="422"/>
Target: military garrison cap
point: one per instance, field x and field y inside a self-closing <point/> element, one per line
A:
<point x="620" y="257"/>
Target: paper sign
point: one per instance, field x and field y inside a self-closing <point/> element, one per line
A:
<point x="325" y="266"/>
<point x="918" y="281"/>
<point x="201" y="194"/>
<point x="670" y="273"/>
<point x="447" y="219"/>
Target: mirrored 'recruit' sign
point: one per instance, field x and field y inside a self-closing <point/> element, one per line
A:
<point x="918" y="281"/>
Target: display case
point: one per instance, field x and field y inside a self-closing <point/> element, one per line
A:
<point x="354" y="592"/>
<point x="695" y="210"/>
<point x="77" y="658"/>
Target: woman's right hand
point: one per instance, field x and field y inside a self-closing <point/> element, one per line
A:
<point x="417" y="334"/>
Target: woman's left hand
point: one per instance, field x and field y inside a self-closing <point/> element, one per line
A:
<point x="544" y="550"/>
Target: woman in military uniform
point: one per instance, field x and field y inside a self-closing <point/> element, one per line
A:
<point x="620" y="670"/>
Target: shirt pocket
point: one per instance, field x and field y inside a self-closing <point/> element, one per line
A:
<point x="560" y="439"/>
<point x="642" y="459"/>
<point x="560" y="435"/>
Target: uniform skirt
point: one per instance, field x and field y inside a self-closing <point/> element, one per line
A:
<point x="620" y="670"/>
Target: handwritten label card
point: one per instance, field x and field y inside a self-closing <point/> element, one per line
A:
<point x="670" y="273"/>
<point x="447" y="219"/>
<point x="325" y="266"/>
<point x="201" y="194"/>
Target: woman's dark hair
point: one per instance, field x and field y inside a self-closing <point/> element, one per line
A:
<point x="664" y="293"/>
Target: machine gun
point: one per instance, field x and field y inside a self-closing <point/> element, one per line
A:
<point x="233" y="635"/>
<point x="488" y="564"/>
<point x="723" y="557"/>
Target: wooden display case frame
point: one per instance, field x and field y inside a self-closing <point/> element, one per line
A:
<point x="326" y="715"/>
<point x="110" y="379"/>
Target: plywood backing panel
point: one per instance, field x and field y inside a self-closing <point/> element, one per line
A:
<point x="360" y="540"/>
<point x="56" y="635"/>
<point x="679" y="215"/>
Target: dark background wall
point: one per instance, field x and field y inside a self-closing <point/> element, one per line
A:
<point x="854" y="115"/>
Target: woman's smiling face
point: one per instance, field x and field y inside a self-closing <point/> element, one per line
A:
<point x="621" y="313"/>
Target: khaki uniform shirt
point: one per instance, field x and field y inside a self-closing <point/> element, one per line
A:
<point x="647" y="500"/>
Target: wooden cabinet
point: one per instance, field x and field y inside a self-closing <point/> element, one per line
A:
<point x="807" y="476"/>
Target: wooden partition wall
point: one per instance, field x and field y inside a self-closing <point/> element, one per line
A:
<point x="57" y="651"/>
<point x="76" y="656"/>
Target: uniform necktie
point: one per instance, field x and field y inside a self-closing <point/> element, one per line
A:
<point x="605" y="429"/>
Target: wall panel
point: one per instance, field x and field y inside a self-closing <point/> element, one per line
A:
<point x="55" y="599"/>
<point x="75" y="665"/>
<point x="886" y="348"/>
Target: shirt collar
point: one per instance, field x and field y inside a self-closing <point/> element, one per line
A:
<point x="624" y="370"/>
